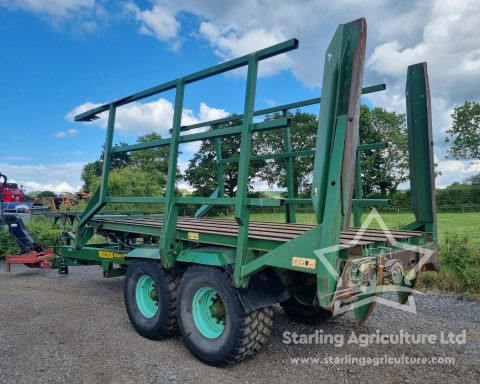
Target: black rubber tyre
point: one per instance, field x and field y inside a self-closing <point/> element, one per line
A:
<point x="163" y="323"/>
<point x="302" y="313"/>
<point x="244" y="333"/>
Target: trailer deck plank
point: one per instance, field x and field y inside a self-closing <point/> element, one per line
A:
<point x="280" y="232"/>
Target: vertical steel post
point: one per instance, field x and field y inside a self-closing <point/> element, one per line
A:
<point x="357" y="208"/>
<point x="218" y="153"/>
<point x="420" y="149"/>
<point x="242" y="212"/>
<point x="336" y="148"/>
<point x="170" y="210"/>
<point x="107" y="154"/>
<point x="99" y="197"/>
<point x="419" y="129"/>
<point x="289" y="208"/>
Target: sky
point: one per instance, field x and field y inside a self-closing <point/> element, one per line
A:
<point x="62" y="57"/>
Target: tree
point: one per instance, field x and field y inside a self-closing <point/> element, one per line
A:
<point x="303" y="134"/>
<point x="202" y="168"/>
<point x="128" y="181"/>
<point x="464" y="134"/>
<point x="154" y="161"/>
<point x="47" y="194"/>
<point x="94" y="169"/>
<point x="383" y="170"/>
<point x="90" y="172"/>
<point x="473" y="180"/>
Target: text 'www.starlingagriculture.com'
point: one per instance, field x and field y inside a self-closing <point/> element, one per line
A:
<point x="373" y="360"/>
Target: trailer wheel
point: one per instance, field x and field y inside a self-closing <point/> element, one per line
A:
<point x="150" y="298"/>
<point x="304" y="312"/>
<point x="212" y="320"/>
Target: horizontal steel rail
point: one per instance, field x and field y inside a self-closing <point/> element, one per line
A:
<point x="271" y="156"/>
<point x="210" y="134"/>
<point x="203" y="74"/>
<point x="279" y="108"/>
<point x="366" y="147"/>
<point x="306" y="152"/>
<point x="369" y="202"/>
<point x="258" y="202"/>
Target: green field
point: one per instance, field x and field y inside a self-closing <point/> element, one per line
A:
<point x="448" y="223"/>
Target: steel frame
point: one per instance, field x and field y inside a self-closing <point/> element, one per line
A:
<point x="336" y="173"/>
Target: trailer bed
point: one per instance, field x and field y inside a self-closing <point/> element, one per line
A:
<point x="259" y="230"/>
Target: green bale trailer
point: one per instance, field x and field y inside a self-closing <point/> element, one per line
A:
<point x="217" y="279"/>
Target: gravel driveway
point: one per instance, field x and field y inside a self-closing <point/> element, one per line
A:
<point x="75" y="329"/>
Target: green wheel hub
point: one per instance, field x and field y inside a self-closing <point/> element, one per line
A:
<point x="146" y="296"/>
<point x="208" y="312"/>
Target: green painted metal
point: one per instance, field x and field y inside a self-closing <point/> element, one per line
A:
<point x="140" y="199"/>
<point x="208" y="312"/>
<point x="105" y="255"/>
<point x="370" y="202"/>
<point x="220" y="168"/>
<point x="420" y="150"/>
<point x="336" y="175"/>
<point x="110" y="271"/>
<point x="281" y="256"/>
<point x="242" y="212"/>
<point x="206" y="207"/>
<point x="336" y="148"/>
<point x="146" y="296"/>
<point x="107" y="153"/>
<point x="359" y="202"/>
<point x="211" y="134"/>
<point x="209" y="255"/>
<point x="366" y="147"/>
<point x="289" y="208"/>
<point x="203" y="74"/>
<point x="144" y="253"/>
<point x="279" y="108"/>
<point x="168" y="233"/>
<point x="258" y="202"/>
<point x="358" y="208"/>
<point x="419" y="129"/>
<point x="283" y="155"/>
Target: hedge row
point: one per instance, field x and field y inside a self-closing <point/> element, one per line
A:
<point x="42" y="232"/>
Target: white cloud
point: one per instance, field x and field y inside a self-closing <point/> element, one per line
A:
<point x="448" y="42"/>
<point x="474" y="166"/>
<point x="270" y="102"/>
<point x="209" y="113"/>
<point x="442" y="32"/>
<point x="58" y="8"/>
<point x="399" y="33"/>
<point x="57" y="188"/>
<point x="57" y="177"/>
<point x="206" y="114"/>
<point x="230" y="42"/>
<point x="156" y="22"/>
<point x="455" y="170"/>
<point x="66" y="133"/>
<point x="76" y="15"/>
<point x="156" y="116"/>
